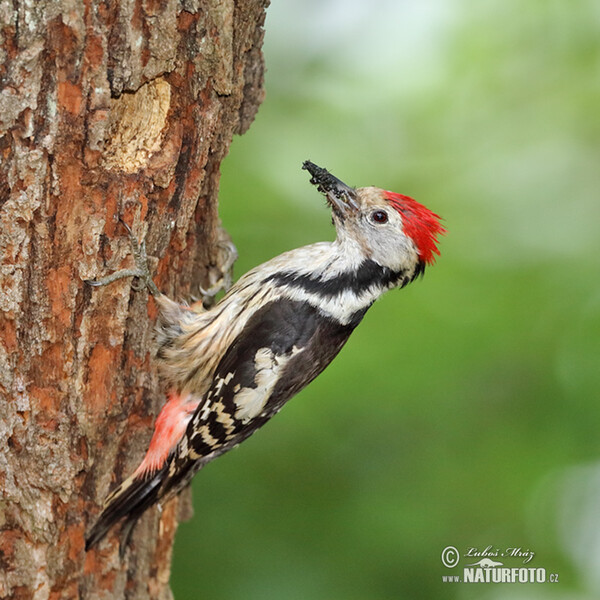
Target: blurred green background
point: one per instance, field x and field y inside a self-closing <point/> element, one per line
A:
<point x="464" y="410"/>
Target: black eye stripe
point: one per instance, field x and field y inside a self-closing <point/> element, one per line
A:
<point x="379" y="216"/>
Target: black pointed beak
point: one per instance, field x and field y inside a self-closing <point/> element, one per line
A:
<point x="340" y="196"/>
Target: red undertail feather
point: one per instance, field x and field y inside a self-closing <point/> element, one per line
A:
<point x="419" y="223"/>
<point x="169" y="428"/>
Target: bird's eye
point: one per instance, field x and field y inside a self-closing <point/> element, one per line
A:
<point x="379" y="216"/>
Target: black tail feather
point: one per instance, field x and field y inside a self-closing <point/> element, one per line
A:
<point x="129" y="501"/>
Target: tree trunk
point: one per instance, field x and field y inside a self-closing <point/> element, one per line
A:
<point x="108" y="110"/>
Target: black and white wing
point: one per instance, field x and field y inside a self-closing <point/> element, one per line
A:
<point x="284" y="346"/>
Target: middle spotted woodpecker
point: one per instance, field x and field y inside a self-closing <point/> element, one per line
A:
<point x="231" y="368"/>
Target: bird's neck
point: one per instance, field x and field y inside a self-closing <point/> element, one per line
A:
<point x="336" y="277"/>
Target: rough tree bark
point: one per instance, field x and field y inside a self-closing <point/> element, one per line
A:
<point x="108" y="109"/>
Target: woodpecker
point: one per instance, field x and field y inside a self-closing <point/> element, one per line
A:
<point x="231" y="368"/>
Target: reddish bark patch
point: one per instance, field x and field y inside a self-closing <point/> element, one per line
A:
<point x="65" y="590"/>
<point x="9" y="332"/>
<point x="94" y="51"/>
<point x="101" y="370"/>
<point x="58" y="281"/>
<point x="76" y="541"/>
<point x="152" y="310"/>
<point x="69" y="97"/>
<point x="49" y="368"/>
<point x="110" y="225"/>
<point x="186" y="20"/>
<point x="46" y="399"/>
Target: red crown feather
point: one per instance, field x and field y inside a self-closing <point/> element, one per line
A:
<point x="420" y="224"/>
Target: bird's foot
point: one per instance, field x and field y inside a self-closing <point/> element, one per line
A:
<point x="141" y="270"/>
<point x="226" y="268"/>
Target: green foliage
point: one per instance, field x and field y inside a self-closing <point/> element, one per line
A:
<point x="462" y="407"/>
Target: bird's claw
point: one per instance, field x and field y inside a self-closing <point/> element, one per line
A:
<point x="226" y="280"/>
<point x="141" y="271"/>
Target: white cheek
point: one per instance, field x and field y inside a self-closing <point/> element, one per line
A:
<point x="392" y="249"/>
